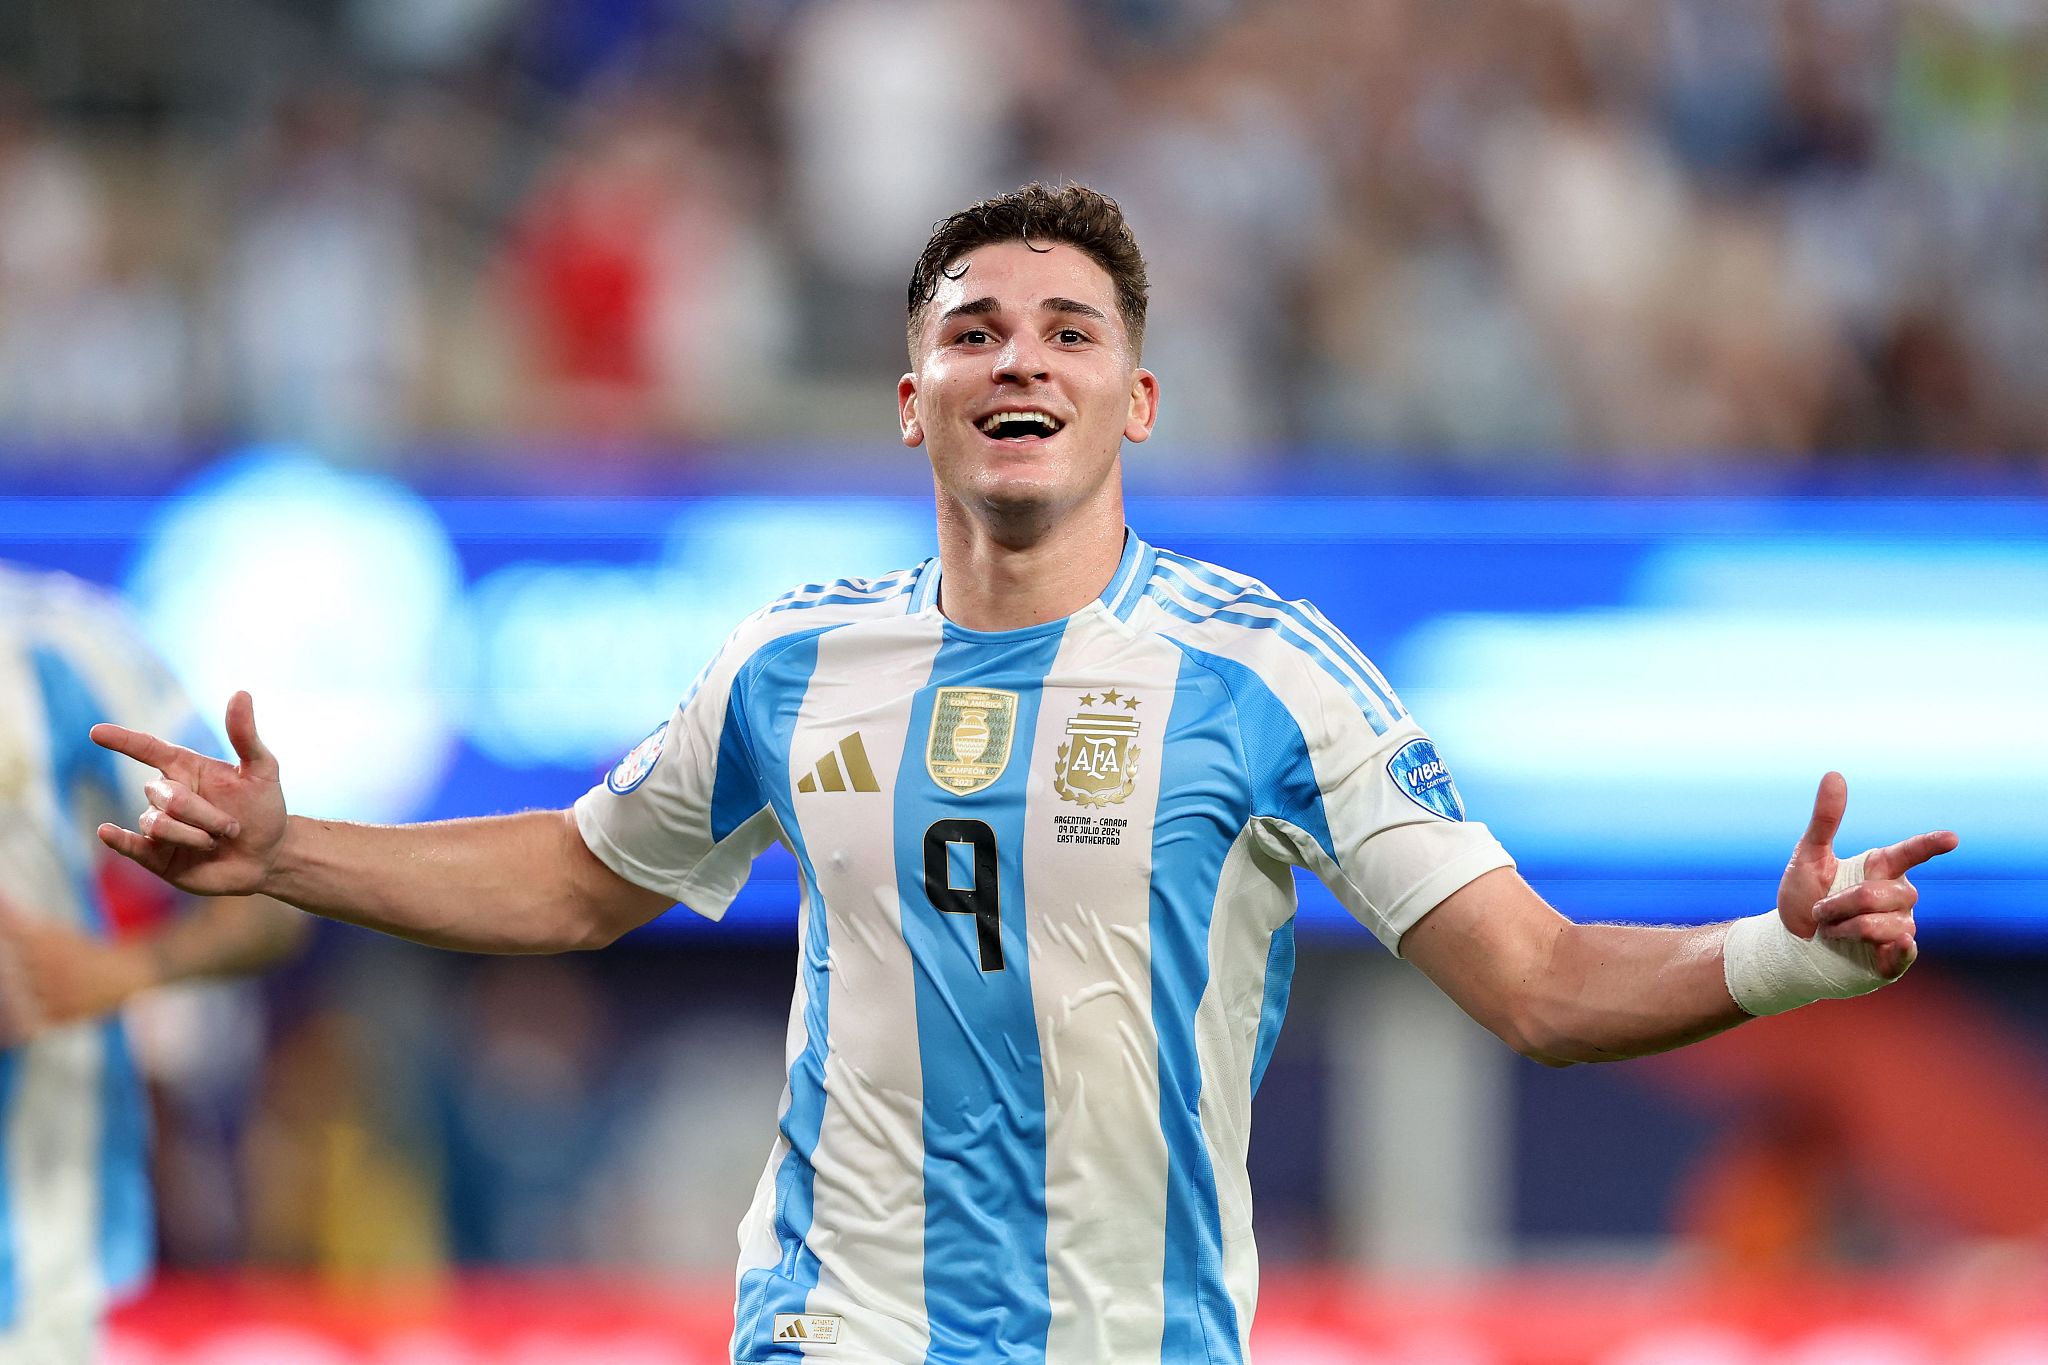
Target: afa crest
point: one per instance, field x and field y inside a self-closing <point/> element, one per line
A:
<point x="1098" y="765"/>
<point x="969" y="744"/>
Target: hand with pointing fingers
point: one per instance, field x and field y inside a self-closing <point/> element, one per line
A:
<point x="1873" y="918"/>
<point x="212" y="828"/>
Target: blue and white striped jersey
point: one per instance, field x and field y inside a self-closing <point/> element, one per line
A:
<point x="1045" y="947"/>
<point x="75" y="1215"/>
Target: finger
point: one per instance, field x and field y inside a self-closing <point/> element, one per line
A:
<point x="1893" y="958"/>
<point x="1828" y="804"/>
<point x="136" y="848"/>
<point x="1895" y="860"/>
<point x="1878" y="929"/>
<point x="160" y="754"/>
<point x="1865" y="898"/>
<point x="156" y="825"/>
<point x="249" y="746"/>
<point x="176" y="799"/>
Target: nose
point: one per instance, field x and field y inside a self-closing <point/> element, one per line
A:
<point x="1022" y="360"/>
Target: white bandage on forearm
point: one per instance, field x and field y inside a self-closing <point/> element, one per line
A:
<point x="1770" y="969"/>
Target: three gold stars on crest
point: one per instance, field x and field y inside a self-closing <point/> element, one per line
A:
<point x="1111" y="698"/>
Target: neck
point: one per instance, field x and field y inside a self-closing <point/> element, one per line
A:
<point x="997" y="578"/>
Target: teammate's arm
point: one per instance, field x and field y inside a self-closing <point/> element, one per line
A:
<point x="1560" y="992"/>
<point x="502" y="884"/>
<point x="70" y="976"/>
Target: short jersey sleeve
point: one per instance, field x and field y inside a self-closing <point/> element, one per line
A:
<point x="684" y="813"/>
<point x="1348" y="785"/>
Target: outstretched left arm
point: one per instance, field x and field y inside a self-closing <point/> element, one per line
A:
<point x="1560" y="992"/>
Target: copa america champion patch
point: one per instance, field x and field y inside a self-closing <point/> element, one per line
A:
<point x="634" y="767"/>
<point x="1424" y="779"/>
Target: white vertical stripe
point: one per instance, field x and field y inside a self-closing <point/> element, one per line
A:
<point x="867" y="1225"/>
<point x="53" y="1174"/>
<point x="1089" y="939"/>
<point x="1254" y="897"/>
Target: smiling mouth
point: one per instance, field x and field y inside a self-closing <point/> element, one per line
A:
<point x="1019" y="425"/>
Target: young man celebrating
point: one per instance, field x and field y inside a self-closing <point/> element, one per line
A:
<point x="1045" y="791"/>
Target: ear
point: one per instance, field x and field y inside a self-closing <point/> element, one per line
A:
<point x="1144" y="405"/>
<point x="906" y="411"/>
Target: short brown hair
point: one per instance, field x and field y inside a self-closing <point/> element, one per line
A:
<point x="1039" y="214"/>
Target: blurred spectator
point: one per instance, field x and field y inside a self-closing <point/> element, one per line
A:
<point x="1806" y="1171"/>
<point x="1226" y="194"/>
<point x="649" y="305"/>
<point x="1776" y="1198"/>
<point x="332" y="1187"/>
<point x="1675" y="228"/>
<point x="895" y="112"/>
<point x="92" y="339"/>
<point x="528" y="1101"/>
<point x="320" y="287"/>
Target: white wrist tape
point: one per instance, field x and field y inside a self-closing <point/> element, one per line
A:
<point x="1769" y="969"/>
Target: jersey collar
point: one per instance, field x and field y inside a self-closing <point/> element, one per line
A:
<point x="1125" y="589"/>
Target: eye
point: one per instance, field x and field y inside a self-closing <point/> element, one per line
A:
<point x="1071" y="336"/>
<point x="973" y="336"/>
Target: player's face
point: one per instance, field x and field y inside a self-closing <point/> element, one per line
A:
<point x="1026" y="385"/>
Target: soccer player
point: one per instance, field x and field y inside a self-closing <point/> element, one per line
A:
<point x="1045" y="790"/>
<point x="75" y="1224"/>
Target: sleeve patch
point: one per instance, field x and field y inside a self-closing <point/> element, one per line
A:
<point x="635" y="766"/>
<point x="1424" y="779"/>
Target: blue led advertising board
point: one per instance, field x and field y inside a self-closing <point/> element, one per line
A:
<point x="1638" y="695"/>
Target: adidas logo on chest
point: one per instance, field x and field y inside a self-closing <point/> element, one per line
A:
<point x="844" y="768"/>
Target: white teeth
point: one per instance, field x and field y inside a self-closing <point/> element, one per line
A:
<point x="993" y="420"/>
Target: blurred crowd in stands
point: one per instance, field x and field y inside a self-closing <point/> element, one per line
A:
<point x="1632" y="230"/>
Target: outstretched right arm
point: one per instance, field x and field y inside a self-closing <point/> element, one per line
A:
<point x="502" y="884"/>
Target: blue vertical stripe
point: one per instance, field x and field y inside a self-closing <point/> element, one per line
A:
<point x="1279" y="981"/>
<point x="736" y="795"/>
<point x="126" y="1232"/>
<point x="985" y="1288"/>
<point x="1133" y="592"/>
<point x="1283" y="778"/>
<point x="767" y="696"/>
<point x="1205" y="800"/>
<point x="1128" y="577"/>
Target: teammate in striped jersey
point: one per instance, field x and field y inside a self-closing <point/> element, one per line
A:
<point x="75" y="1226"/>
<point x="1045" y="791"/>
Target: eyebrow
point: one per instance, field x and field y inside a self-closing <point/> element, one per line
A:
<point x="987" y="304"/>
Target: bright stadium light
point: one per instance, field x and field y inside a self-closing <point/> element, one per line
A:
<point x="331" y="596"/>
<point x="1692" y="722"/>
